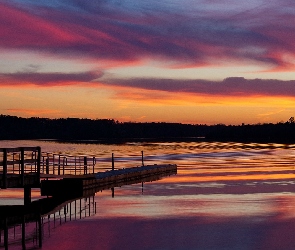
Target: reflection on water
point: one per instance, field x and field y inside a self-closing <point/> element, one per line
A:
<point x="28" y="227"/>
<point x="225" y="196"/>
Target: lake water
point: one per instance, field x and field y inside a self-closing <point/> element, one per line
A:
<point x="224" y="196"/>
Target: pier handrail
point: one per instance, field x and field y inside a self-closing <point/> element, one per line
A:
<point x="22" y="166"/>
<point x="21" y="161"/>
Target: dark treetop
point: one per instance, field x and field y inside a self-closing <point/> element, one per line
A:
<point x="108" y="130"/>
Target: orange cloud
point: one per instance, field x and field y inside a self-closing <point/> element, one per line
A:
<point x="33" y="112"/>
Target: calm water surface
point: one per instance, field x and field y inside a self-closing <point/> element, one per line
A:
<point x="225" y="196"/>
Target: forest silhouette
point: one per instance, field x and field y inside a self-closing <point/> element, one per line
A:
<point x="109" y="130"/>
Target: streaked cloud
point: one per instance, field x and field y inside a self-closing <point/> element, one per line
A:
<point x="187" y="33"/>
<point x="34" y="112"/>
<point x="234" y="86"/>
<point x="46" y="79"/>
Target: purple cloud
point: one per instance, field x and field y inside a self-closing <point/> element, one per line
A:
<point x="130" y="31"/>
<point x="234" y="86"/>
<point x="36" y="78"/>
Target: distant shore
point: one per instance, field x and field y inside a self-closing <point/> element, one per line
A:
<point x="111" y="131"/>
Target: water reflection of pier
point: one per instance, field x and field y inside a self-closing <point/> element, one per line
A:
<point x="70" y="193"/>
<point x="26" y="227"/>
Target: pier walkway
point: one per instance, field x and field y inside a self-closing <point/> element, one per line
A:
<point x="55" y="174"/>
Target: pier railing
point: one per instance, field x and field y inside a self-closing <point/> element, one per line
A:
<point x="24" y="166"/>
<point x="19" y="161"/>
<point x="60" y="164"/>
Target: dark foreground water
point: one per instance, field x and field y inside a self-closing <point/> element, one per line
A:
<point x="225" y="196"/>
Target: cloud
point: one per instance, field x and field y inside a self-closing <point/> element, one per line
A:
<point x="233" y="86"/>
<point x="33" y="112"/>
<point x="40" y="78"/>
<point x="183" y="34"/>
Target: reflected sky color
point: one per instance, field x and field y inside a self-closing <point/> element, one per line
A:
<point x="166" y="61"/>
<point x="225" y="196"/>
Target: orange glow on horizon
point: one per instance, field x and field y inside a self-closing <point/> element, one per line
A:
<point x="94" y="100"/>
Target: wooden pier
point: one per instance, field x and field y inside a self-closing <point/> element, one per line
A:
<point x="28" y="167"/>
<point x="105" y="180"/>
<point x="61" y="178"/>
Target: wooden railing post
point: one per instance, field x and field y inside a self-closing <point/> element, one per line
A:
<point x="94" y="162"/>
<point x="142" y="158"/>
<point x="38" y="162"/>
<point x="113" y="162"/>
<point x="4" y="168"/>
<point x="58" y="170"/>
<point x="22" y="164"/>
<point x="47" y="165"/>
<point x="85" y="164"/>
<point x="64" y="163"/>
<point x="52" y="163"/>
<point x="75" y="165"/>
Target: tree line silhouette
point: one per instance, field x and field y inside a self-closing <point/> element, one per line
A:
<point x="109" y="130"/>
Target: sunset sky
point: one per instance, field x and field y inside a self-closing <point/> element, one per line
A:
<point x="201" y="61"/>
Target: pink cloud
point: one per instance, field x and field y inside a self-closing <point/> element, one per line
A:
<point x="105" y="32"/>
<point x="234" y="86"/>
<point x="46" y="79"/>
